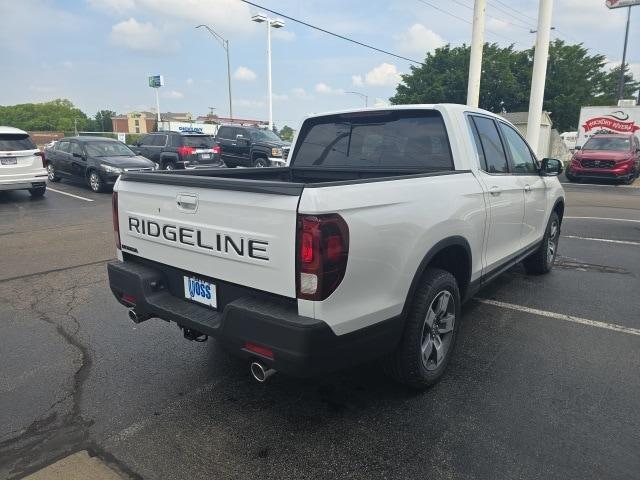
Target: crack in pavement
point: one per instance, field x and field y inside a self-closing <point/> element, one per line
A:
<point x="56" y="434"/>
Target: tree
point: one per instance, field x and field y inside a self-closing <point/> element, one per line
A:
<point x="287" y="133"/>
<point x="103" y="120"/>
<point x="444" y="74"/>
<point x="610" y="83"/>
<point x="574" y="79"/>
<point x="57" y="115"/>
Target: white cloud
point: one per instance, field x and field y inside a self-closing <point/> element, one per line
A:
<point x="173" y="94"/>
<point x="384" y="75"/>
<point x="134" y="35"/>
<point x="381" y="102"/>
<point x="68" y="64"/>
<point x="244" y="74"/>
<point x="357" y="80"/>
<point x="326" y="89"/>
<point x="301" y="93"/>
<point x="189" y="81"/>
<point x="281" y="97"/>
<point x="418" y="40"/>
<point x="243" y="102"/>
<point x="285" y="35"/>
<point x="116" y="6"/>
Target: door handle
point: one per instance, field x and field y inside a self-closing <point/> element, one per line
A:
<point x="187" y="202"/>
<point x="527" y="188"/>
<point x="495" y="191"/>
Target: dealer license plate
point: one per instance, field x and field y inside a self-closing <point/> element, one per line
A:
<point x="205" y="156"/>
<point x="200" y="291"/>
<point x="8" y="161"/>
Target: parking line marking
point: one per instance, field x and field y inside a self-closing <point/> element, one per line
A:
<point x="604" y="218"/>
<point x="561" y="316"/>
<point x="606" y="240"/>
<point x="70" y="194"/>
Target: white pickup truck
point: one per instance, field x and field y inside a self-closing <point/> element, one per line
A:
<point x="364" y="246"/>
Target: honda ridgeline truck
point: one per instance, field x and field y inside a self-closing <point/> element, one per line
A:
<point x="363" y="246"/>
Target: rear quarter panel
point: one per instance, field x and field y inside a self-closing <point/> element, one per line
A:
<point x="392" y="226"/>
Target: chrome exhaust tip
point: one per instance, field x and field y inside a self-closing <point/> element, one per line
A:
<point x="135" y="317"/>
<point x="260" y="372"/>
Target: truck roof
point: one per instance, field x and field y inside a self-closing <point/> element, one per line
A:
<point x="451" y="107"/>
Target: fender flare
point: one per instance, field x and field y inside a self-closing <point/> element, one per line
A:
<point x="559" y="200"/>
<point x="455" y="240"/>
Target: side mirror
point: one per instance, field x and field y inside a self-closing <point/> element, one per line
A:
<point x="578" y="147"/>
<point x="551" y="167"/>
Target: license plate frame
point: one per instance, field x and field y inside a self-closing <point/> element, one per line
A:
<point x="6" y="161"/>
<point x="200" y="291"/>
<point x="205" y="156"/>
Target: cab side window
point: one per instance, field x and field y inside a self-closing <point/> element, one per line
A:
<point x="522" y="159"/>
<point x="63" y="147"/>
<point x="145" y="140"/>
<point x="490" y="149"/>
<point x="76" y="148"/>
<point x="224" y="132"/>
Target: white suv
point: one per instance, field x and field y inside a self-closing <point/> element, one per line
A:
<point x="22" y="165"/>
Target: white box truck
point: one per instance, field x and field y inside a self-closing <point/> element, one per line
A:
<point x="608" y="120"/>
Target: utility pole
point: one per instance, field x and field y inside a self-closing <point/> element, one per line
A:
<point x="538" y="77"/>
<point x="624" y="57"/>
<point x="475" y="62"/>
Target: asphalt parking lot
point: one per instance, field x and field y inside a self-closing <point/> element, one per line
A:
<point x="544" y="383"/>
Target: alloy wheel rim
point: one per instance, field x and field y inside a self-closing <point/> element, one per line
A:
<point x="437" y="330"/>
<point x="553" y="242"/>
<point x="168" y="167"/>
<point x="50" y="171"/>
<point x="94" y="181"/>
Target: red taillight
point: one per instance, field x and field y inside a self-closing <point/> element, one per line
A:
<point x="323" y="249"/>
<point x="184" y="151"/>
<point x="216" y="149"/>
<point x="264" y="351"/>
<point x="130" y="299"/>
<point x="116" y="220"/>
<point x="42" y="157"/>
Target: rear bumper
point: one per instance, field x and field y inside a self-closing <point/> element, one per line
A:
<point x="23" y="182"/>
<point x="301" y="346"/>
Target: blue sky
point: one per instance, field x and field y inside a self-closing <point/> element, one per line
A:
<point x="98" y="53"/>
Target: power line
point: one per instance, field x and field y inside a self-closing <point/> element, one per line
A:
<point x="337" y="35"/>
<point x="517" y="11"/>
<point x="520" y="25"/>
<point x="467" y="21"/>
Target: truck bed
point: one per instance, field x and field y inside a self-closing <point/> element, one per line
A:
<point x="281" y="181"/>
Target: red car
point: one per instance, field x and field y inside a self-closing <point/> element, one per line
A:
<point x="606" y="157"/>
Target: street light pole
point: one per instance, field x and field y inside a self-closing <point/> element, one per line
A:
<point x="225" y="45"/>
<point x="475" y="61"/>
<point x="271" y="23"/>
<point x="536" y="97"/>
<point x="624" y="57"/>
<point x="363" y="96"/>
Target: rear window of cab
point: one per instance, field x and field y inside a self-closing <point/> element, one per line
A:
<point x="390" y="139"/>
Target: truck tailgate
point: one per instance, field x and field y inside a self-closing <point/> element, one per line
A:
<point x="243" y="237"/>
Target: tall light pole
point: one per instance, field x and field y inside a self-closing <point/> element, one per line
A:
<point x="536" y="97"/>
<point x="624" y="57"/>
<point x="225" y="45"/>
<point x="363" y="96"/>
<point x="275" y="23"/>
<point x="475" y="60"/>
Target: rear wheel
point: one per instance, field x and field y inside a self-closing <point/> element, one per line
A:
<point x="168" y="165"/>
<point x="541" y="261"/>
<point x="95" y="182"/>
<point x="38" y="191"/>
<point x="430" y="332"/>
<point x="260" y="162"/>
<point x="51" y="173"/>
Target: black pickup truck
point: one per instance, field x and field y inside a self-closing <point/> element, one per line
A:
<point x="251" y="147"/>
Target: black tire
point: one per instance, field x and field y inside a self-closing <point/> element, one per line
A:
<point x="95" y="182"/>
<point x="541" y="261"/>
<point x="408" y="364"/>
<point x="630" y="179"/>
<point x="38" y="191"/>
<point x="168" y="165"/>
<point x="572" y="178"/>
<point x="260" y="162"/>
<point x="51" y="173"/>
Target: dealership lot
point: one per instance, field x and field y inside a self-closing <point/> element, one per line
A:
<point x="544" y="383"/>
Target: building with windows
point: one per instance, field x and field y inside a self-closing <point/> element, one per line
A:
<point x="144" y="122"/>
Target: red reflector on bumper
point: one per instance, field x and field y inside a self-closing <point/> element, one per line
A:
<point x="128" y="299"/>
<point x="264" y="351"/>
